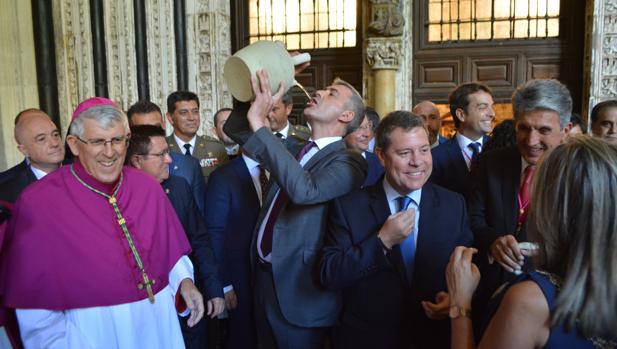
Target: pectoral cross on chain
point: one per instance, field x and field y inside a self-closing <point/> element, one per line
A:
<point x="122" y="223"/>
<point x="148" y="283"/>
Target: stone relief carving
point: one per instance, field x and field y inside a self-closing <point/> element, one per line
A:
<point x="386" y="18"/>
<point x="161" y="51"/>
<point x="610" y="45"/>
<point x="72" y="36"/>
<point x="384" y="53"/>
<point x="209" y="46"/>
<point x="603" y="52"/>
<point x="610" y="24"/>
<point x="120" y="51"/>
<point x="609" y="87"/>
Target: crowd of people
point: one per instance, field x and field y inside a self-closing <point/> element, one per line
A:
<point x="352" y="232"/>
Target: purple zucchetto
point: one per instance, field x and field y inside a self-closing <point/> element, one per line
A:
<point x="92" y="102"/>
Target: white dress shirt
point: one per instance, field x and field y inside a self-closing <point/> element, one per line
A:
<point x="38" y="173"/>
<point x="284" y="131"/>
<point x="463" y="143"/>
<point x="181" y="143"/>
<point x="392" y="195"/>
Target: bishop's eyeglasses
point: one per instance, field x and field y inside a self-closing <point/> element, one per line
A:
<point x="99" y="143"/>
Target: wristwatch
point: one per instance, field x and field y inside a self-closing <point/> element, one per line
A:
<point x="457" y="312"/>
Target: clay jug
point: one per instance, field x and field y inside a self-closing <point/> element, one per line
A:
<point x="269" y="55"/>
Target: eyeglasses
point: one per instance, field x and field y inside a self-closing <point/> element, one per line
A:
<point x="161" y="155"/>
<point x="116" y="142"/>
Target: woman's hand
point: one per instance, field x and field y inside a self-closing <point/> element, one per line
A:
<point x="462" y="276"/>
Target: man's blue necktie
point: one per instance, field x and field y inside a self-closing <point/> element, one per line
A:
<point x="475" y="150"/>
<point x="408" y="247"/>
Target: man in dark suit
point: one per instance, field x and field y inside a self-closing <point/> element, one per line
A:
<point x="233" y="200"/>
<point x="292" y="309"/>
<point x="471" y="106"/>
<point x="148" y="151"/>
<point x="358" y="141"/>
<point x="147" y="113"/>
<point x="183" y="114"/>
<point x="387" y="247"/>
<point x="231" y="147"/>
<point x="290" y="134"/>
<point x="39" y="140"/>
<point x="499" y="201"/>
<point x="428" y="111"/>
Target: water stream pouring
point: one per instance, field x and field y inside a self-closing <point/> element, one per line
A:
<point x="269" y="55"/>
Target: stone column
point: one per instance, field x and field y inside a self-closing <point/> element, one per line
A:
<point x="384" y="53"/>
<point x="603" y="67"/>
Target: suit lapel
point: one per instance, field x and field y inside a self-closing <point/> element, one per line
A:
<point x="511" y="174"/>
<point x="456" y="155"/>
<point x="322" y="153"/>
<point x="429" y="206"/>
<point x="381" y="211"/>
<point x="200" y="148"/>
<point x="240" y="169"/>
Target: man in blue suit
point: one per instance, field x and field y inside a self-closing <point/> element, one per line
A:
<point x="148" y="151"/>
<point x="147" y="113"/>
<point x="471" y="106"/>
<point x="233" y="201"/>
<point x="358" y="141"/>
<point x="387" y="247"/>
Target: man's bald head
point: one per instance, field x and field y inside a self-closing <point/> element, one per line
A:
<point x="18" y="120"/>
<point x="38" y="139"/>
<point x="430" y="113"/>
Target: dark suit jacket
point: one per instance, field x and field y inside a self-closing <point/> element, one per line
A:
<point x="202" y="256"/>
<point x="232" y="208"/>
<point x="19" y="178"/>
<point x="493" y="212"/>
<point x="381" y="308"/>
<point x="375" y="170"/>
<point x="188" y="168"/>
<point x="449" y="167"/>
<point x="11" y="172"/>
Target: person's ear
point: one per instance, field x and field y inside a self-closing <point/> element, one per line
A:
<point x="134" y="161"/>
<point x="460" y="114"/>
<point x="346" y="116"/>
<point x="71" y="140"/>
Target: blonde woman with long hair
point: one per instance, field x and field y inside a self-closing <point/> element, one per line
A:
<point x="570" y="301"/>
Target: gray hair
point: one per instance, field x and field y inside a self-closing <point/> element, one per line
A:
<point x="354" y="104"/>
<point x="104" y="115"/>
<point x="545" y="94"/>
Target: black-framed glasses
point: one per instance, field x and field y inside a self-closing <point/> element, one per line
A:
<point x="115" y="142"/>
<point x="160" y="155"/>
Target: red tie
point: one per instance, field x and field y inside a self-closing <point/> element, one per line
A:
<point x="263" y="182"/>
<point x="279" y="203"/>
<point x="524" y="195"/>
